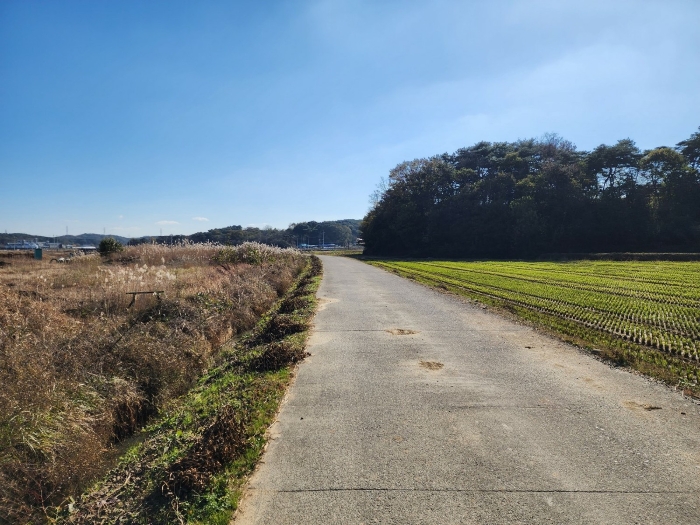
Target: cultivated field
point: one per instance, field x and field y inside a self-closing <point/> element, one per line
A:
<point x="641" y="313"/>
<point x="83" y="365"/>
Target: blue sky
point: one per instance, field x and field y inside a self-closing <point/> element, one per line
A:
<point x="184" y="116"/>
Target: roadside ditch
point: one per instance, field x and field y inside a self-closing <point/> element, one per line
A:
<point x="190" y="465"/>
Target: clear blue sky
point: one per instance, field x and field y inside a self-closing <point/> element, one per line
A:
<point x="139" y="115"/>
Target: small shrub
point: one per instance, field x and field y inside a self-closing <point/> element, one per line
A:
<point x="293" y="303"/>
<point x="109" y="245"/>
<point x="278" y="354"/>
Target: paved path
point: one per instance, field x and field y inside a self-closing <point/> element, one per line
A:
<point x="513" y="428"/>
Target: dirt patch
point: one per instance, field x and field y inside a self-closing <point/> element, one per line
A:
<point x="431" y="365"/>
<point x="639" y="406"/>
<point x="401" y="331"/>
<point x="325" y="301"/>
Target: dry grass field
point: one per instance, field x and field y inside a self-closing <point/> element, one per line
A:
<point x="82" y="368"/>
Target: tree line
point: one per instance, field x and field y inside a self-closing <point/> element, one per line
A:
<point x="342" y="232"/>
<point x="537" y="196"/>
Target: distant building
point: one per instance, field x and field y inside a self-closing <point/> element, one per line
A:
<point x="21" y="245"/>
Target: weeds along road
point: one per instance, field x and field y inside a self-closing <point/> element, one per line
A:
<point x="416" y="407"/>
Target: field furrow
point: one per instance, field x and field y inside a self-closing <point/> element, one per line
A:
<point x="608" y="286"/>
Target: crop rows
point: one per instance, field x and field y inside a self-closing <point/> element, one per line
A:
<point x="655" y="304"/>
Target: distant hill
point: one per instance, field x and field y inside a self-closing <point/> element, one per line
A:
<point x="341" y="232"/>
<point x="82" y="239"/>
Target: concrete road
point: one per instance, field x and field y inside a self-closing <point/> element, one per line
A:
<point x="416" y="407"/>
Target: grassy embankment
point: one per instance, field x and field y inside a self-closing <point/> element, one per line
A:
<point x="645" y="315"/>
<point x="83" y="372"/>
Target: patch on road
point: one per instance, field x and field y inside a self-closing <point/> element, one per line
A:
<point x="431" y="365"/>
<point x="401" y="331"/>
<point x="325" y="301"/>
<point x="634" y="405"/>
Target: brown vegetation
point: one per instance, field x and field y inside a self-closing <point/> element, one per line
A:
<point x="220" y="442"/>
<point x="81" y="368"/>
<point x="190" y="463"/>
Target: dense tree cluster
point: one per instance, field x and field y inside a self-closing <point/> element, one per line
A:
<point x="530" y="197"/>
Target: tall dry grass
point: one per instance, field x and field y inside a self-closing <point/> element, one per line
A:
<point x="81" y="370"/>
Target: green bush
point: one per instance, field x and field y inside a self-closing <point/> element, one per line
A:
<point x="109" y="245"/>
